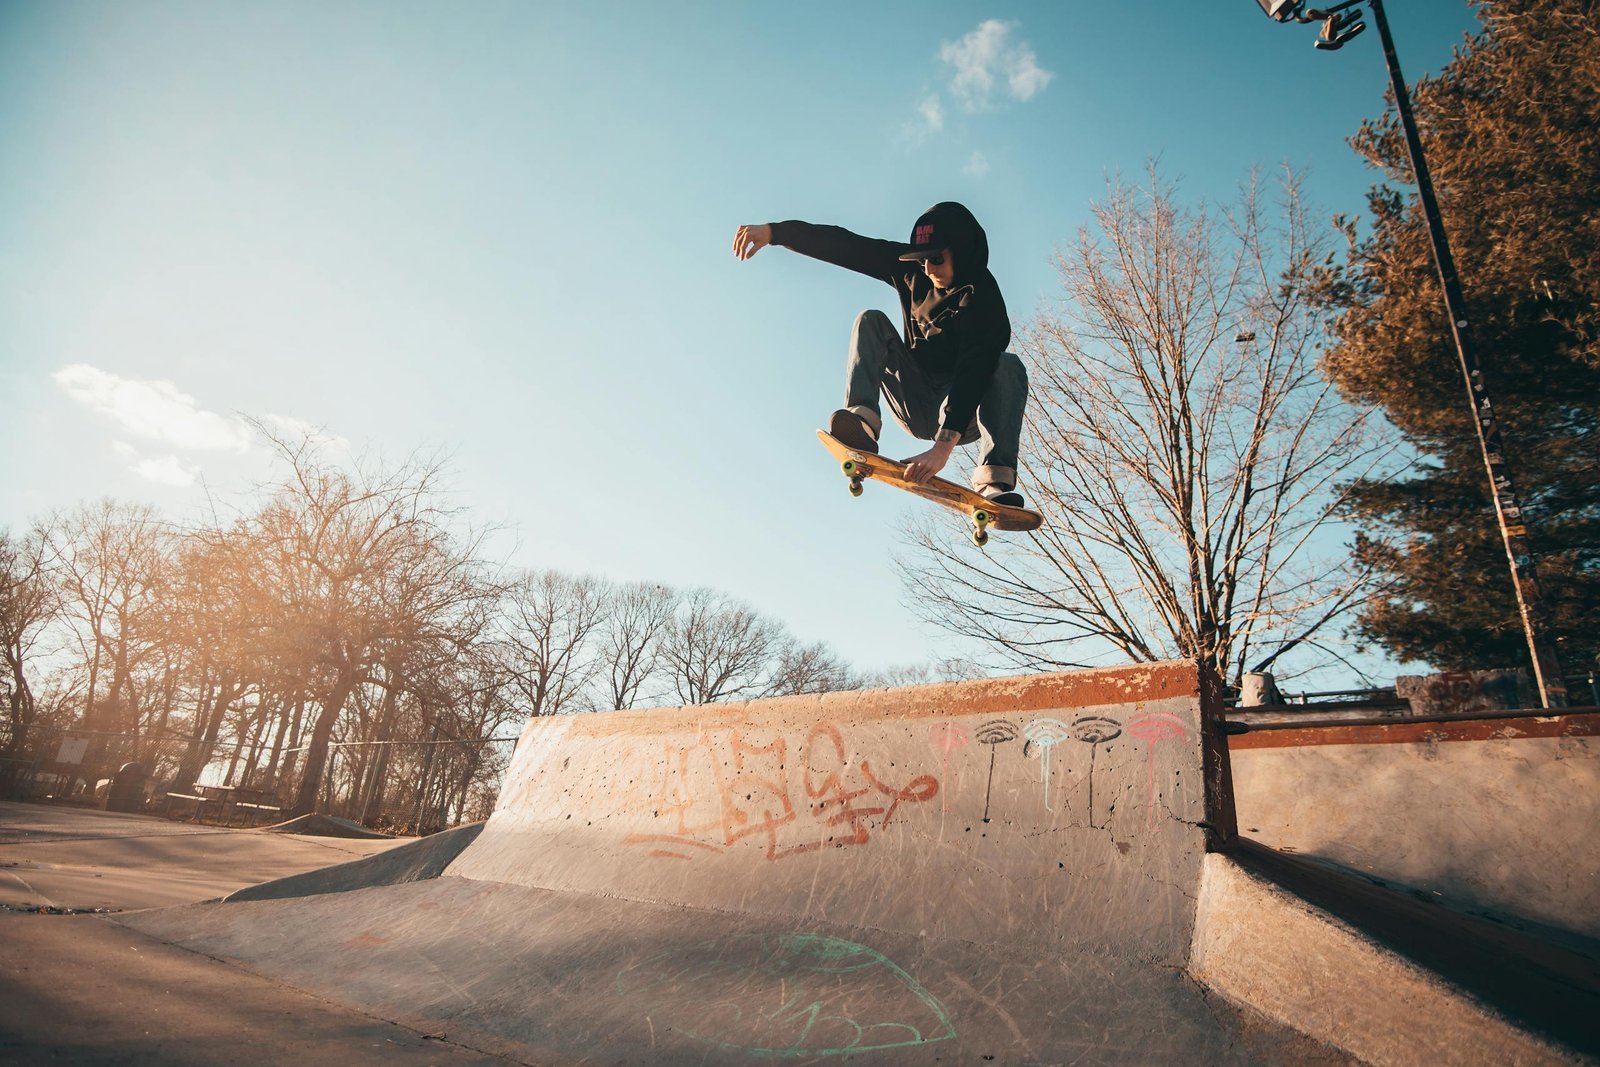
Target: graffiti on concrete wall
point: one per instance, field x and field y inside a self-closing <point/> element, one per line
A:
<point x="788" y="794"/>
<point x="1153" y="728"/>
<point x="785" y="995"/>
<point x="945" y="737"/>
<point x="1094" y="731"/>
<point x="726" y="787"/>
<point x="1043" y="735"/>
<point x="992" y="733"/>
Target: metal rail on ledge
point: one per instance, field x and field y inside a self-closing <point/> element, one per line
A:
<point x="1234" y="727"/>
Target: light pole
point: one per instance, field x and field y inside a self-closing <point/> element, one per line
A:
<point x="1340" y="23"/>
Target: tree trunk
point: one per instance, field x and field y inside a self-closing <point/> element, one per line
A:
<point x="249" y="739"/>
<point x="238" y="750"/>
<point x="270" y="774"/>
<point x="283" y="763"/>
<point x="200" y="750"/>
<point x="431" y="733"/>
<point x="258" y="741"/>
<point x="22" y="714"/>
<point x="380" y="760"/>
<point x="305" y="801"/>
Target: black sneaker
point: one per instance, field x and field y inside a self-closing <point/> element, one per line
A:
<point x="853" y="430"/>
<point x="1007" y="500"/>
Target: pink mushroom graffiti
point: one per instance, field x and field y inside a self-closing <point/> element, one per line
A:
<point x="945" y="736"/>
<point x="1152" y="728"/>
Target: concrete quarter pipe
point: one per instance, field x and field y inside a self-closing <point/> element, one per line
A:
<point x="1003" y="870"/>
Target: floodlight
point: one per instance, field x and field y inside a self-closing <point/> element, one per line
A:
<point x="1282" y="10"/>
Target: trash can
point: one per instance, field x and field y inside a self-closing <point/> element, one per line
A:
<point x="127" y="789"/>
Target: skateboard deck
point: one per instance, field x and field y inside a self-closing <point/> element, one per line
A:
<point x="984" y="514"/>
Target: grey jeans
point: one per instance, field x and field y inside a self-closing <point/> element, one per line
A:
<point x="881" y="362"/>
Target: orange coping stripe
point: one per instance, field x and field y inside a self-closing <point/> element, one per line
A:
<point x="1410" y="733"/>
<point x="985" y="696"/>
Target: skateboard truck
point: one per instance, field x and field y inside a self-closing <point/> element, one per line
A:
<point x="980" y="526"/>
<point x="983" y="513"/>
<point x="853" y="471"/>
<point x="981" y="518"/>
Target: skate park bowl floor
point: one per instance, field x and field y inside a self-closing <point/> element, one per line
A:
<point x="74" y="859"/>
<point x="999" y="871"/>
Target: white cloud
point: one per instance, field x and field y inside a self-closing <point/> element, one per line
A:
<point x="168" y="470"/>
<point x="159" y="412"/>
<point x="990" y="56"/>
<point x="977" y="166"/>
<point x="154" y="410"/>
<point x="929" y="120"/>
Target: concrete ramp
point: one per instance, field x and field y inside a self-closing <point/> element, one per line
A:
<point x="994" y="871"/>
<point x="1063" y="810"/>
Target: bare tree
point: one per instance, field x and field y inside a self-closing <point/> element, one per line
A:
<point x="809" y="669"/>
<point x="113" y="565"/>
<point x="1183" y="448"/>
<point x="29" y="602"/>
<point x="640" y="613"/>
<point x="219" y="618"/>
<point x="551" y="623"/>
<point x="363" y="562"/>
<point x="716" y="648"/>
<point x="943" y="670"/>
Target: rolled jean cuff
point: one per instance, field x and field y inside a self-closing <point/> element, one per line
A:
<point x="1003" y="477"/>
<point x="873" y="420"/>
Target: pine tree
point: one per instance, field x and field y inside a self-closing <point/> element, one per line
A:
<point x="1511" y="128"/>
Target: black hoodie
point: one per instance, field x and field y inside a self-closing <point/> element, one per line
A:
<point x="956" y="335"/>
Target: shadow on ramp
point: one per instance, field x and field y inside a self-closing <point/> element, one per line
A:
<point x="420" y="860"/>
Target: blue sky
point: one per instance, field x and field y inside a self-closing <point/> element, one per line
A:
<point x="502" y="231"/>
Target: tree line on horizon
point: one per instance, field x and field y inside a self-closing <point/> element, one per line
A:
<point x="347" y="645"/>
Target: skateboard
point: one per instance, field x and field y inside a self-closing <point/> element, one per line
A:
<point x="859" y="466"/>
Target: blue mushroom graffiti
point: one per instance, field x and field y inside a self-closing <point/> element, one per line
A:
<point x="1043" y="735"/>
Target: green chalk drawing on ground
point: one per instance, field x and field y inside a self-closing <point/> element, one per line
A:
<point x="787" y="995"/>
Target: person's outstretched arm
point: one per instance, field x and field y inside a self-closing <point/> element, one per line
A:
<point x="831" y="244"/>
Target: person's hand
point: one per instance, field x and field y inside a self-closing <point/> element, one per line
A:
<point x="749" y="240"/>
<point x="919" y="469"/>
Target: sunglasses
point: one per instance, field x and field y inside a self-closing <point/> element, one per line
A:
<point x="935" y="260"/>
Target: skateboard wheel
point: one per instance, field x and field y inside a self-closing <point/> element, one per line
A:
<point x="855" y="486"/>
<point x="982" y="518"/>
<point x="849" y="468"/>
<point x="980" y="537"/>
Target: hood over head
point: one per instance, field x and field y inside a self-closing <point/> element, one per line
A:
<point x="950" y="225"/>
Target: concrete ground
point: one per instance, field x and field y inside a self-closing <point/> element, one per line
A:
<point x="78" y="989"/>
<point x="83" y="860"/>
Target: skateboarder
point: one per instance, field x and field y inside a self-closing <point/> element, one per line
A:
<point x="949" y="378"/>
